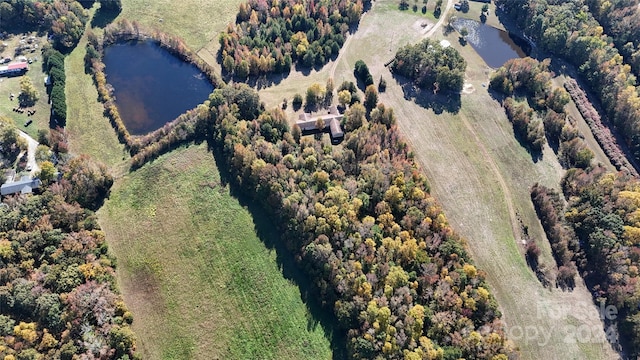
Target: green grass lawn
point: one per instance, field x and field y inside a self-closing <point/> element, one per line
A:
<point x="89" y="131"/>
<point x="9" y="85"/>
<point x="200" y="281"/>
<point x="197" y="22"/>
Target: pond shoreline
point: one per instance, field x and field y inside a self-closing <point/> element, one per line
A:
<point x="181" y="130"/>
<point x="495" y="46"/>
<point x="150" y="85"/>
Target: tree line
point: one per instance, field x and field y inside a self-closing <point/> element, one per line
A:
<point x="54" y="66"/>
<point x="360" y="221"/>
<point x="530" y="81"/>
<point x="621" y="20"/>
<point x="270" y="35"/>
<point x="594" y="231"/>
<point x="567" y="29"/>
<point x="603" y="211"/>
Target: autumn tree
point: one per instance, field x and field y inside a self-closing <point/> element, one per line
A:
<point x="47" y="172"/>
<point x="88" y="181"/>
<point x="328" y="95"/>
<point x="354" y="117"/>
<point x="344" y="98"/>
<point x="28" y="92"/>
<point x="314" y="96"/>
<point x="370" y="98"/>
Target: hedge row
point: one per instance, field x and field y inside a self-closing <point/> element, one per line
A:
<point x="600" y="131"/>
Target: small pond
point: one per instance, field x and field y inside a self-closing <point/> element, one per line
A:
<point x="494" y="46"/>
<point x="152" y="86"/>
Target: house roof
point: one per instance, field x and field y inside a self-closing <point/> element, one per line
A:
<point x="335" y="128"/>
<point x="18" y="65"/>
<point x="14" y="68"/>
<point x="23" y="186"/>
<point x="331" y="120"/>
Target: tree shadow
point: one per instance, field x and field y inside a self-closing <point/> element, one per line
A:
<point x="535" y="154"/>
<point x="438" y="103"/>
<point x="104" y="17"/>
<point x="319" y="313"/>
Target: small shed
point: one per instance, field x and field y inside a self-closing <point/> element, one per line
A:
<point x="22" y="186"/>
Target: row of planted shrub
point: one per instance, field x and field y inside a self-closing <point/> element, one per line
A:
<point x="601" y="132"/>
<point x="54" y="66"/>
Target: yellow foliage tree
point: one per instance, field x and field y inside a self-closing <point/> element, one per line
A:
<point x="26" y="331"/>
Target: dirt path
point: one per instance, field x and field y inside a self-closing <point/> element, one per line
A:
<point x="443" y="16"/>
<point x="345" y="46"/>
<point x="31" y="153"/>
<point x="343" y="50"/>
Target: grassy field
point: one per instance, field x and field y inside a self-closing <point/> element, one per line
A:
<point x="481" y="175"/>
<point x="89" y="131"/>
<point x="11" y="85"/>
<point x="197" y="22"/>
<point x="200" y="281"/>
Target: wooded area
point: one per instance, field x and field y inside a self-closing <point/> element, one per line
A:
<point x="361" y="222"/>
<point x="566" y="30"/>
<point x="270" y="35"/>
<point x="58" y="297"/>
<point x="431" y="66"/>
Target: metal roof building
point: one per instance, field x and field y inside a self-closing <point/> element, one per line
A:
<point x="14" y="68"/>
<point x="23" y="186"/>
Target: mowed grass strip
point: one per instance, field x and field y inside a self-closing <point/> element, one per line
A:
<point x="199" y="280"/>
<point x="90" y="132"/>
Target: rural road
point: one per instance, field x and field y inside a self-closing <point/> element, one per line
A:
<point x="443" y="16"/>
<point x="31" y="152"/>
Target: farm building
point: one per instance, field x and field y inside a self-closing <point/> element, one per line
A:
<point x="332" y="121"/>
<point x="22" y="186"/>
<point x="14" y="69"/>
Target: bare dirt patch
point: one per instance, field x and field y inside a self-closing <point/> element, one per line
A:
<point x="422" y="26"/>
<point x="468" y="88"/>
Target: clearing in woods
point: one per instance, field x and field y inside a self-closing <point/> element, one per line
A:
<point x="196" y="273"/>
<point x="482" y="176"/>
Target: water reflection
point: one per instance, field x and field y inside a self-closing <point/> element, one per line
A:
<point x="494" y="46"/>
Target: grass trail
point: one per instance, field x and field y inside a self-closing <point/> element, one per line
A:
<point x="89" y="131"/>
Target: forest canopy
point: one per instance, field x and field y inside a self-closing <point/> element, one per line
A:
<point x="271" y="35"/>
<point x="431" y="66"/>
<point x="65" y="19"/>
<point x="58" y="296"/>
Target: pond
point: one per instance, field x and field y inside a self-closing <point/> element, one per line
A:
<point x="151" y="85"/>
<point x="494" y="46"/>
